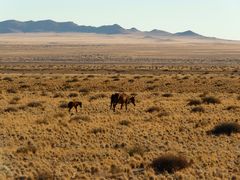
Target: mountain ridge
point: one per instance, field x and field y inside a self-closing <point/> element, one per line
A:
<point x="14" y="26"/>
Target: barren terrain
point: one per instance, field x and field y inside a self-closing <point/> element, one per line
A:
<point x="41" y="73"/>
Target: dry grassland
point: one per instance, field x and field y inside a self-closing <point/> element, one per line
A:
<point x="175" y="108"/>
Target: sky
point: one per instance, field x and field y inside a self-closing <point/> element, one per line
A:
<point x="215" y="18"/>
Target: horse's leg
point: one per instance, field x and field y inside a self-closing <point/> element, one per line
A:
<point x="121" y="105"/>
<point x="76" y="108"/>
<point x="69" y="109"/>
<point x="126" y="106"/>
<point x="114" y="107"/>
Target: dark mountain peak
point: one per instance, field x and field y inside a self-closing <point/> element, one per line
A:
<point x="188" y="33"/>
<point x="133" y="30"/>
<point x="110" y="29"/>
<point x="156" y="32"/>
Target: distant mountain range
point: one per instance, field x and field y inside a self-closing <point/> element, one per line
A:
<point x="13" y="26"/>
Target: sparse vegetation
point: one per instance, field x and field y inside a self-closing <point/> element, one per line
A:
<point x="96" y="142"/>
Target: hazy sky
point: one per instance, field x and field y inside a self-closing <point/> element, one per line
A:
<point x="220" y="18"/>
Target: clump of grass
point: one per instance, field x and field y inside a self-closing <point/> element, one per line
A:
<point x="24" y="86"/>
<point x="225" y="128"/>
<point x="80" y="118"/>
<point x="73" y="95"/>
<point x="34" y="104"/>
<point x="66" y="87"/>
<point x="131" y="80"/>
<point x="155" y="94"/>
<point x="63" y="104"/>
<point x="169" y="163"/>
<point x="194" y="102"/>
<point x="57" y="95"/>
<point x="163" y="114"/>
<point x="44" y="93"/>
<point x="116" y="79"/>
<point x="167" y="95"/>
<point x="238" y="98"/>
<point x="153" y="109"/>
<point x="12" y="90"/>
<point x="42" y="121"/>
<point x="137" y="150"/>
<point x="72" y="80"/>
<point x="90" y="76"/>
<point x="28" y="148"/>
<point x="150" y="82"/>
<point x="210" y="100"/>
<point x="203" y="95"/>
<point x="10" y="109"/>
<point x="151" y="88"/>
<point x="98" y="130"/>
<point x="125" y="123"/>
<point x="44" y="175"/>
<point x="137" y="77"/>
<point x="8" y="79"/>
<point x="232" y="108"/>
<point x="14" y="100"/>
<point x="59" y="115"/>
<point x="198" y="109"/>
<point x="106" y="81"/>
<point x="97" y="96"/>
<point x="84" y="91"/>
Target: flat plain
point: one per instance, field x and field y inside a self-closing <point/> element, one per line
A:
<point x="170" y="79"/>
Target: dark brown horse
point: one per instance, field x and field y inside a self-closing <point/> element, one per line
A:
<point x="74" y="104"/>
<point x="121" y="98"/>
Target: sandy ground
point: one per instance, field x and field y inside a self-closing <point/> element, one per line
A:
<point x="40" y="139"/>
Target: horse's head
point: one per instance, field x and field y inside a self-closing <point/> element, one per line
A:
<point x="80" y="104"/>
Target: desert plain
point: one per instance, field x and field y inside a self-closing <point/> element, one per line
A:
<point x="41" y="73"/>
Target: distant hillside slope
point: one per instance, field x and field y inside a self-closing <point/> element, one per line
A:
<point x="13" y="26"/>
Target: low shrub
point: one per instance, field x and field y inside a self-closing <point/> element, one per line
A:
<point x="169" y="163"/>
<point x="80" y="118"/>
<point x="210" y="100"/>
<point x="225" y="128"/>
<point x="34" y="104"/>
<point x="167" y="95"/>
<point x="194" y="102"/>
<point x="125" y="123"/>
<point x="153" y="109"/>
<point x="71" y="95"/>
<point x="198" y="109"/>
<point x="10" y="109"/>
